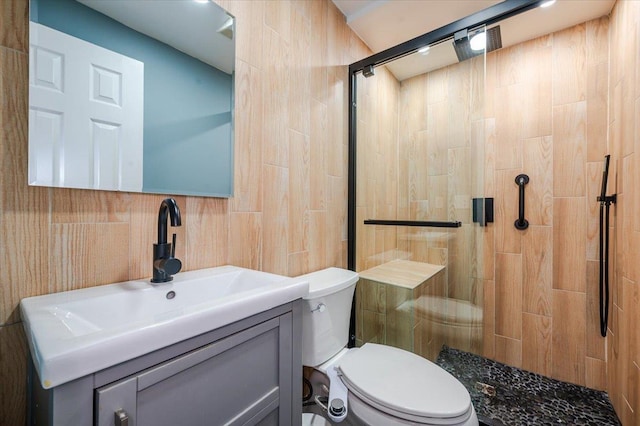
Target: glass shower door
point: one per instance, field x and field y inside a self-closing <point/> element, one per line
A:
<point x="419" y="186"/>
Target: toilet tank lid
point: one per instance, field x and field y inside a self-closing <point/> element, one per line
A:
<point x="327" y="281"/>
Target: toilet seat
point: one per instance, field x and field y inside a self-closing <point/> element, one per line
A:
<point x="404" y="385"/>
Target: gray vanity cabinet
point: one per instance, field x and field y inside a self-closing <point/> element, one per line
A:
<point x="246" y="373"/>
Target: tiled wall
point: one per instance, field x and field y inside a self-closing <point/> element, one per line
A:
<point x="546" y="117"/>
<point x="288" y="215"/>
<point x="623" y="343"/>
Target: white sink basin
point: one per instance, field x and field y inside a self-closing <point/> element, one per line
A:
<point x="75" y="333"/>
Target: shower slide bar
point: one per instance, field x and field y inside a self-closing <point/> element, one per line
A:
<point x="603" y="285"/>
<point x="413" y="223"/>
<point x="521" y="223"/>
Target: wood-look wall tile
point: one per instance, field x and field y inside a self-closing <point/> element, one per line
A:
<point x="510" y="65"/>
<point x="509" y="119"/>
<point x="299" y="74"/>
<point x="207" y="232"/>
<point x="275" y="219"/>
<point x="569" y="62"/>
<point x="508" y="238"/>
<point x="597" y="37"/>
<point x="437" y="138"/>
<point x="536" y="344"/>
<point x="319" y="48"/>
<point x="317" y="240"/>
<point x="86" y="206"/>
<point x="597" y="104"/>
<point x="317" y="147"/>
<point x="14" y="25"/>
<point x="595" y="374"/>
<point x="508" y="310"/>
<point x="569" y="237"/>
<point x="298" y="264"/>
<point x="632" y="334"/>
<point x="490" y="83"/>
<point x="249" y="26"/>
<point x="89" y="255"/>
<point x="538" y="165"/>
<point x="459" y="184"/>
<point x="277" y="16"/>
<point x="275" y="92"/>
<point x="25" y="210"/>
<point x="336" y="119"/>
<point x="569" y="149"/>
<point x="594" y="179"/>
<point x="298" y="192"/>
<point x="538" y="257"/>
<point x="374" y="296"/>
<point x="632" y="396"/>
<point x="595" y="343"/>
<point x="537" y="93"/>
<point x="13" y="370"/>
<point x="336" y="215"/>
<point x="245" y="240"/>
<point x="248" y="144"/>
<point x="490" y="186"/>
<point x="569" y="336"/>
<point x="509" y="351"/>
<point x="458" y="105"/>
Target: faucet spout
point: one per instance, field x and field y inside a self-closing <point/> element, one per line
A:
<point x="165" y="263"/>
<point x="167" y="207"/>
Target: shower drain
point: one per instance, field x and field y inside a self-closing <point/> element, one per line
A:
<point x="486" y="389"/>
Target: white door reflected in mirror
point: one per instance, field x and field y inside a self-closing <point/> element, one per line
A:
<point x="85" y="114"/>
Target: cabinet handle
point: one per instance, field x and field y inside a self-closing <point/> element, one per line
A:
<point x="121" y="418"/>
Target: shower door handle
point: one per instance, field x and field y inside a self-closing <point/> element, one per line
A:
<point x="521" y="223"/>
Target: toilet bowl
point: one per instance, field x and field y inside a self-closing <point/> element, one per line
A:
<point x="375" y="384"/>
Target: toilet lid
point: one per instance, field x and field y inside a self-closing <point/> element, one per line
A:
<point x="403" y="384"/>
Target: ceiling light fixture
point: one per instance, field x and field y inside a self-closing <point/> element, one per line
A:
<point x="547" y="3"/>
<point x="424" y="50"/>
<point x="478" y="41"/>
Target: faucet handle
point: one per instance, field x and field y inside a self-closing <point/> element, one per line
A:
<point x="173" y="245"/>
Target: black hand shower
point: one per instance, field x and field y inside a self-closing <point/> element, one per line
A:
<point x="605" y="203"/>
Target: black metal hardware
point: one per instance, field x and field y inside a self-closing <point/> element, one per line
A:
<point x="413" y="223"/>
<point x="164" y="262"/>
<point x="482" y="209"/>
<point x="605" y="204"/>
<point x="521" y="223"/>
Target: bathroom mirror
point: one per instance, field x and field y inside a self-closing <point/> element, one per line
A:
<point x="132" y="95"/>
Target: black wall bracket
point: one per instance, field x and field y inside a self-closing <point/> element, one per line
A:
<point x="482" y="211"/>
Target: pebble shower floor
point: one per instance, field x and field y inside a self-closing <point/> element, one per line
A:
<point x="504" y="395"/>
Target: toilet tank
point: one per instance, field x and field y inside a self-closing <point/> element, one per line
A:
<point x="326" y="313"/>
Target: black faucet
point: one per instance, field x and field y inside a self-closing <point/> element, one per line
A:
<point x="164" y="262"/>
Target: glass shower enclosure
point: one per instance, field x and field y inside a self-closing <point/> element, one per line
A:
<point x="419" y="206"/>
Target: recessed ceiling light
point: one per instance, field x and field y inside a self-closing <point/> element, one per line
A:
<point x="547" y="3"/>
<point x="424" y="50"/>
<point x="201" y="1"/>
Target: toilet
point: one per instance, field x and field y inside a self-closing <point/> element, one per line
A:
<point x="374" y="384"/>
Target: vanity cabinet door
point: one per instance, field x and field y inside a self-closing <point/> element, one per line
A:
<point x="242" y="379"/>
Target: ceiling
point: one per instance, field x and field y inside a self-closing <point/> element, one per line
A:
<point x="385" y="23"/>
<point x="188" y="26"/>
